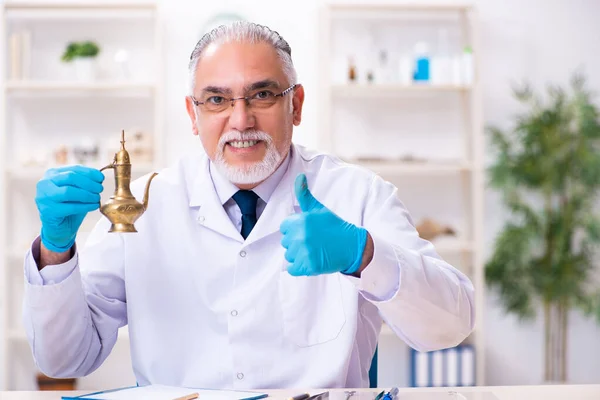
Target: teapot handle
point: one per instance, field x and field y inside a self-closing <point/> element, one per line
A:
<point x="111" y="165"/>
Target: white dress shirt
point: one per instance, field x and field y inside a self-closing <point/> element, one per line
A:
<point x="225" y="190"/>
<point x="208" y="308"/>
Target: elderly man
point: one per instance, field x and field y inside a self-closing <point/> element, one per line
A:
<point x="258" y="265"/>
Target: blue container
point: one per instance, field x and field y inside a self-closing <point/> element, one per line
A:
<point x="422" y="69"/>
<point x="421" y="73"/>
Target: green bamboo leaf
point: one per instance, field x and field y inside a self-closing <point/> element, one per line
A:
<point x="547" y="168"/>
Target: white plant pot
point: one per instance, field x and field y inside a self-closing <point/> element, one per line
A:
<point x="85" y="68"/>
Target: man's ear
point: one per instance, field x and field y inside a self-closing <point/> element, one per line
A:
<point x="189" y="105"/>
<point x="297" y="102"/>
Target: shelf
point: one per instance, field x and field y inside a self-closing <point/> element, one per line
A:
<point x="414" y="168"/>
<point x="55" y="87"/>
<point x="365" y="8"/>
<point x="126" y="99"/>
<point x="397" y="12"/>
<point x="88" y="11"/>
<point x="386" y="90"/>
<point x="35" y="173"/>
<point x="108" y="5"/>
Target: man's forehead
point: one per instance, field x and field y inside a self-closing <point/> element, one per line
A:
<point x="239" y="65"/>
<point x="246" y="53"/>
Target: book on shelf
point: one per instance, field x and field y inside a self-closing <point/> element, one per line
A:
<point x="19" y="44"/>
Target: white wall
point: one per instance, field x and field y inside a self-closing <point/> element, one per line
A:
<point x="538" y="40"/>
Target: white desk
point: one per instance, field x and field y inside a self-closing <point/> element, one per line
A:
<point x="551" y="392"/>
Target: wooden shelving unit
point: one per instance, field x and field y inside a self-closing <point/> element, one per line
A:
<point x="440" y="119"/>
<point x="59" y="100"/>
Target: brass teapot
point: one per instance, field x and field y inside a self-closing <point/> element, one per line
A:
<point x="122" y="210"/>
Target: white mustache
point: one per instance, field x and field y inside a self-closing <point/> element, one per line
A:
<point x="243" y="136"/>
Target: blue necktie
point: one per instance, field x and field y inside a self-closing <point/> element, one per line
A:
<point x="246" y="200"/>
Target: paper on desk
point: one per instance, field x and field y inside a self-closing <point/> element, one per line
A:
<point x="162" y="392"/>
<point x="419" y="394"/>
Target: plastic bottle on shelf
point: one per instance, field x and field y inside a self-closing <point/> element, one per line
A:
<point x="441" y="61"/>
<point x="467" y="66"/>
<point x="406" y="70"/>
<point x="421" y="73"/>
<point x="383" y="73"/>
<point x="457" y="69"/>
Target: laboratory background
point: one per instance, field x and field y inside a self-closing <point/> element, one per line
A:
<point x="484" y="114"/>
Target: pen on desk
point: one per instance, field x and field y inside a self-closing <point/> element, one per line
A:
<point x="188" y="397"/>
<point x="391" y="395"/>
<point x="302" y="396"/>
<point x="378" y="397"/>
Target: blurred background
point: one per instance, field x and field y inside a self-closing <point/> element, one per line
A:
<point x="482" y="113"/>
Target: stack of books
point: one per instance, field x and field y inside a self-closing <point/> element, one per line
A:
<point x="449" y="367"/>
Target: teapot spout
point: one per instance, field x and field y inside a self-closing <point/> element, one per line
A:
<point x="147" y="190"/>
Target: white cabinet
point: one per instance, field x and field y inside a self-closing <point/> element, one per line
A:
<point x="424" y="135"/>
<point x="57" y="112"/>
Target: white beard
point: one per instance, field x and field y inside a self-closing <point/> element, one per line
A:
<point x="251" y="174"/>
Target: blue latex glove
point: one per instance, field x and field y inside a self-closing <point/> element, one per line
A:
<point x="63" y="197"/>
<point x="317" y="240"/>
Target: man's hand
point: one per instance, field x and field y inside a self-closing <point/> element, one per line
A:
<point x="63" y="197"/>
<point x="318" y="241"/>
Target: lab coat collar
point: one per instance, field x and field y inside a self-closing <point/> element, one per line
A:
<point x="281" y="204"/>
<point x="225" y="189"/>
<point x="203" y="195"/>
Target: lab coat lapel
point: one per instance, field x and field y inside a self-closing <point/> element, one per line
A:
<point x="211" y="213"/>
<point x="282" y="203"/>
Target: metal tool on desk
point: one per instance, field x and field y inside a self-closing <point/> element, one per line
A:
<point x="320" y="396"/>
<point x="302" y="396"/>
<point x="349" y="393"/>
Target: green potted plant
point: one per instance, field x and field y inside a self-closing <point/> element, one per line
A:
<point x="548" y="170"/>
<point x="83" y="56"/>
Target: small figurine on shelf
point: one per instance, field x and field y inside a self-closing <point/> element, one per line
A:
<point x="141" y="145"/>
<point x="351" y="70"/>
<point x="32" y="158"/>
<point x="61" y="155"/>
<point x="429" y="229"/>
<point x="86" y="152"/>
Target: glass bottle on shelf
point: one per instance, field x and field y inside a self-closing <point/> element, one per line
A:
<point x="383" y="73"/>
<point x="351" y="70"/>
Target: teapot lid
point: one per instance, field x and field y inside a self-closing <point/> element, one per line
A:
<point x="122" y="157"/>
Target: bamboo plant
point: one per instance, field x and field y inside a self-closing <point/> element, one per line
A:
<point x="547" y="169"/>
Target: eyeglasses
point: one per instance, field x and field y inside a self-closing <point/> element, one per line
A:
<point x="260" y="99"/>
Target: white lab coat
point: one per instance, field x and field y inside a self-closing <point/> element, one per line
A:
<point x="207" y="309"/>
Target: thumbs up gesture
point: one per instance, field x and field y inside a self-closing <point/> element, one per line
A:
<point x="317" y="240"/>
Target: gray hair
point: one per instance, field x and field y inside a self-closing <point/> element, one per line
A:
<point x="242" y="31"/>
